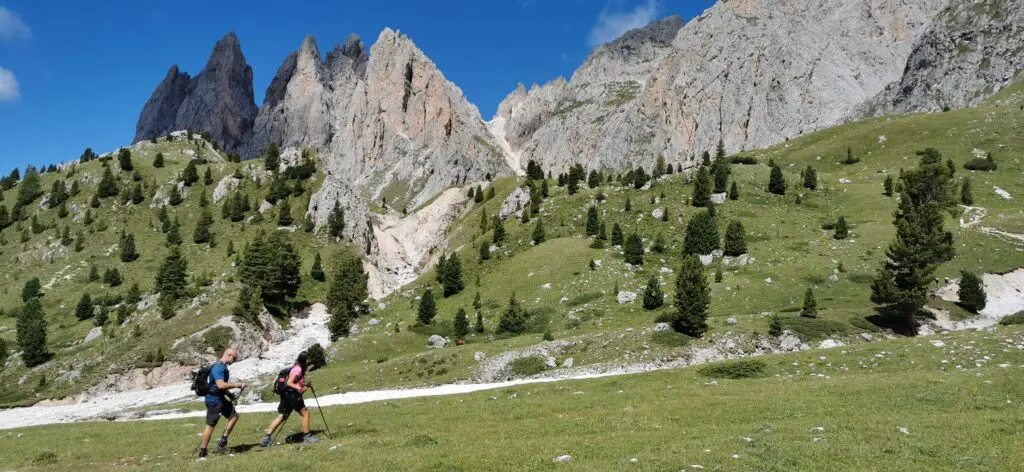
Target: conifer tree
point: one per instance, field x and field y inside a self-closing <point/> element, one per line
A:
<point x="316" y="272"/>
<point x="634" y="250"/>
<point x="460" y="325"/>
<point x="427" y="309"/>
<point x="112" y="277"/>
<point x="32" y="289"/>
<point x="692" y="299"/>
<point x="174" y="233"/>
<point x="449" y="274"/>
<point x="777" y="182"/>
<point x="158" y="161"/>
<point x="170" y="277"/>
<point x="544" y="191"/>
<point x="629" y="205"/>
<point x="79" y="241"/>
<point x="208" y="177"/>
<point x="966" y="197"/>
<point x="735" y="239"/>
<point x="972" y="292"/>
<point x="284" y="216"/>
<point x="842" y="230"/>
<point x="659" y="244"/>
<point x="593" y="180"/>
<point x="58" y="194"/>
<point x="810" y="309"/>
<point x="124" y="159"/>
<point x="65" y="237"/>
<point x="921" y="242"/>
<point x="485" y="251"/>
<point x="336" y="221"/>
<point x="701" y="234"/>
<point x="108" y="185"/>
<point x="888" y="185"/>
<point x="659" y="168"/>
<point x="720" y="171"/>
<point x="810" y="178"/>
<point x="617" y="239"/>
<point x="705" y="159"/>
<point x="128" y="251"/>
<point x="174" y="199"/>
<point x="483" y="220"/>
<point x="701" y="189"/>
<point x="190" y="175"/>
<point x="94" y="274"/>
<point x="653" y="296"/>
<point x="602" y="233"/>
<point x="479" y="328"/>
<point x="513" y="320"/>
<point x="538" y="232"/>
<point x="203" y="201"/>
<point x="202" y="232"/>
<point x="593" y="222"/>
<point x="133" y="295"/>
<point x="31" y="334"/>
<point x="346" y="294"/>
<point x="137" y="196"/>
<point x="102" y="317"/>
<point x="499" y="231"/>
<point x="272" y="160"/>
<point x="94" y="201"/>
<point x="271" y="263"/>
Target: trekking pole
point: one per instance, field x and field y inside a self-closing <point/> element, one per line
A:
<point x="329" y="435"/>
<point x="279" y="429"/>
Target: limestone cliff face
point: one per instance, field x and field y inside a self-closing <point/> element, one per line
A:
<point x="973" y="50"/>
<point x="219" y="100"/>
<point x="756" y="72"/>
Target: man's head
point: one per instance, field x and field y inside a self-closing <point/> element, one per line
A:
<point x="230" y="355"/>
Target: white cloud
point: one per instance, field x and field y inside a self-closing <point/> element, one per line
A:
<point x="11" y="27"/>
<point x="610" y="26"/>
<point x="8" y="86"/>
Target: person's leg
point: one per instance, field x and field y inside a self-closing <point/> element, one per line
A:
<point x="231" y="425"/>
<point x="207" y="434"/>
<point x="212" y="416"/>
<point x="305" y="420"/>
<point x="274" y="425"/>
<point x="227" y="410"/>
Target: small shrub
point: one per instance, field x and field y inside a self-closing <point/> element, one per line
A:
<point x="316" y="357"/>
<point x="1014" y="319"/>
<point x="670" y="338"/>
<point x="218" y="338"/>
<point x="527" y="366"/>
<point x="744" y="160"/>
<point x="740" y="369"/>
<point x="981" y="164"/>
<point x="45" y="458"/>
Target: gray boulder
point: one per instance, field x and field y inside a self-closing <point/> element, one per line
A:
<point x="436" y="342"/>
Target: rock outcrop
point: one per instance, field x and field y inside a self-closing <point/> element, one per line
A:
<point x="219" y="100"/>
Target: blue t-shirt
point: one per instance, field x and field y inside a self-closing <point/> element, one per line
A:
<point x="219" y="371"/>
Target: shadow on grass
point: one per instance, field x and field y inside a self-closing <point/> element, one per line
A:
<point x="891" y="318"/>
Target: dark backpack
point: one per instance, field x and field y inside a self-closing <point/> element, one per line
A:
<point x="281" y="384"/>
<point x="201" y="381"/>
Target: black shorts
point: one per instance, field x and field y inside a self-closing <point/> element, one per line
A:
<point x="214" y="412"/>
<point x="290" y="402"/>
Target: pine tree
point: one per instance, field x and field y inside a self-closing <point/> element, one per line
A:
<point x="427" y="309"/>
<point x="653" y="296"/>
<point x="158" y="161"/>
<point x="346" y="294"/>
<point x="720" y="170"/>
<point x="460" y="326"/>
<point x="102" y="317"/>
<point x="133" y="295"/>
<point x="629" y="205"/>
<point x="972" y="292"/>
<point x="65" y="237"/>
<point x="810" y="178"/>
<point x="617" y="239"/>
<point x="174" y="199"/>
<point x="602" y="233"/>
<point x="207" y="177"/>
<point x="921" y="242"/>
<point x="336" y="221"/>
<point x="513" y="320"/>
<point x="810" y="309"/>
<point x="273" y="158"/>
<point x="84" y="310"/>
<point x="174" y="233"/>
<point x="167" y="306"/>
<point x="483" y="220"/>
<point x="112" y="277"/>
<point x="499" y="231"/>
<point x="965" y="192"/>
<point x="31" y="335"/>
<point x="544" y="191"/>
<point x="203" y="201"/>
<point x="108" y="185"/>
<point x="718" y="274"/>
<point x="79" y="241"/>
<point x="202" y="232"/>
<point x="593" y="180"/>
<point x="701" y="235"/>
<point x="479" y="328"/>
<point x="735" y="239"/>
<point x="593" y="222"/>
<point x="170" y="277"/>
<point x="317" y="271"/>
<point x="659" y="168"/>
<point x="701" y="189"/>
<point x="634" y="250"/>
<point x="271" y="263"/>
<point x="842" y="230"/>
<point x="734" y="191"/>
<point x="94" y="274"/>
<point x="538" y="232"/>
<point x="693" y="297"/>
<point x="124" y="159"/>
<point x="777" y="182"/>
<point x="31" y="289"/>
<point x="659" y="244"/>
<point x="128" y="251"/>
<point x="94" y="201"/>
<point x="137" y="196"/>
<point x="284" y="216"/>
<point x="705" y="159"/>
<point x="485" y="251"/>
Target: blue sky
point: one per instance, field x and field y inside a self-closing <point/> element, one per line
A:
<point x="76" y="74"/>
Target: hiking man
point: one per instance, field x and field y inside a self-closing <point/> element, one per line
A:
<point x="218" y="402"/>
<point x="291" y="400"/>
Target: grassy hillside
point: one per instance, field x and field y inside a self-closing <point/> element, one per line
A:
<point x="63" y="271"/>
<point x="882" y="406"/>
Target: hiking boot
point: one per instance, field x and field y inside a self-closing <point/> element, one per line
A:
<point x="202" y="454"/>
<point x="265" y="440"/>
<point x="310" y="439"/>
<point x="222" y="445"/>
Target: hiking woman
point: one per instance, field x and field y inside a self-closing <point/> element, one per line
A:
<point x="290" y="386"/>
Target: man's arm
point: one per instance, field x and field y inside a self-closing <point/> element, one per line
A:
<point x="222" y="385"/>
